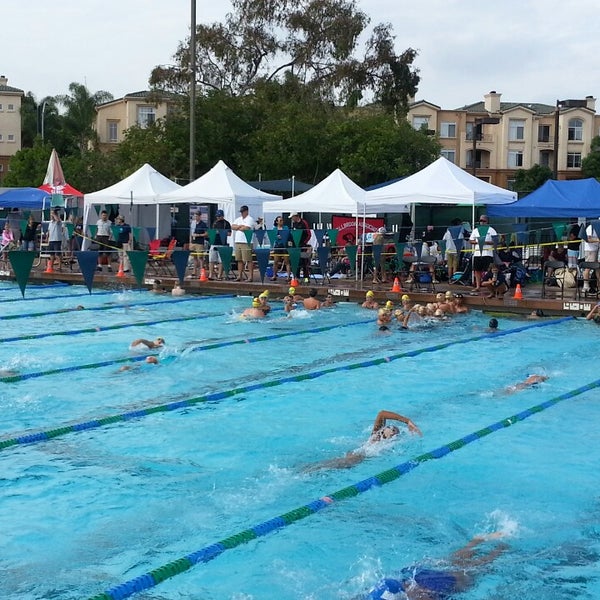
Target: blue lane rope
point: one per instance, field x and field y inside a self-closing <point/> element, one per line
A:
<point x="55" y="297"/>
<point x="218" y="396"/>
<point x="73" y="368"/>
<point x="111" y="307"/>
<point x="208" y="553"/>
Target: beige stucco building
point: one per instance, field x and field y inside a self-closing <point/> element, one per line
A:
<point x="493" y="139"/>
<point x="10" y="123"/>
<point x="138" y="108"/>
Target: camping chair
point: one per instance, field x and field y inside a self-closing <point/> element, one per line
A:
<point x="423" y="276"/>
<point x="161" y="261"/>
<point x="593" y="292"/>
<point x="554" y="279"/>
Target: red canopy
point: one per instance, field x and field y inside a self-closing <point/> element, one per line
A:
<point x="65" y="190"/>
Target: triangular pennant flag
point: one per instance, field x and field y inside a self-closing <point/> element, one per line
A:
<point x="400" y="252"/>
<point x="596" y="228"/>
<point x="294" y="254"/>
<point x="495" y="240"/>
<point x="522" y="237"/>
<point x="23" y="226"/>
<point x="418" y="249"/>
<point x="88" y="261"/>
<point x="332" y="235"/>
<point x="260" y="235"/>
<point x="442" y="245"/>
<point x="483" y="230"/>
<point x="559" y="230"/>
<point x="262" y="258"/>
<point x="93" y="229"/>
<point x="138" y="260"/>
<point x="136" y="233"/>
<point x="272" y="233"/>
<point x="284" y="236"/>
<point x="377" y="249"/>
<point x="46" y="214"/>
<point x="151" y="232"/>
<point x="583" y="233"/>
<point x="456" y="231"/>
<point x="351" y="254"/>
<point x="115" y="231"/>
<point x="212" y="234"/>
<point x="225" y="253"/>
<point x="180" y="260"/>
<point x="538" y="236"/>
<point x="21" y="262"/>
<point x="459" y="243"/>
<point x="319" y="234"/>
<point x="248" y="233"/>
<point x="297" y="236"/>
<point x="323" y="255"/>
<point x="223" y="235"/>
<point x="70" y="228"/>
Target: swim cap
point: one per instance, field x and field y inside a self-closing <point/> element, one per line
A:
<point x="264" y="294"/>
<point x="370" y="294"/>
<point x="449" y="294"/>
<point x="255" y="303"/>
<point x="389" y="304"/>
<point x="405" y="298"/>
<point x="493" y="324"/>
<point x="292" y="290"/>
<point x="439" y="296"/>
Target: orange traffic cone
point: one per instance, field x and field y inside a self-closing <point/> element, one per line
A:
<point x="49" y="268"/>
<point x="203" y="276"/>
<point x="121" y="273"/>
<point x="518" y="292"/>
<point x="396" y="287"/>
<point x="294" y="283"/>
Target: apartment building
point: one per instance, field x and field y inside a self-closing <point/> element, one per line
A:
<point x="10" y="123"/>
<point x="493" y="139"/>
<point x="138" y="108"/>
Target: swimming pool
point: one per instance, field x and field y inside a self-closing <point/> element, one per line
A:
<point x="96" y="507"/>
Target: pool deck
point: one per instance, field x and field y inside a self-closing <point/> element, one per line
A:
<point x="343" y="290"/>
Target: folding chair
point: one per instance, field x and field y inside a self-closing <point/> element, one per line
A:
<point x="161" y="262"/>
<point x="423" y="277"/>
<point x="593" y="291"/>
<point x="551" y="283"/>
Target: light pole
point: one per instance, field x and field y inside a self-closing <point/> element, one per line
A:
<point x="477" y="123"/>
<point x="44" y="103"/>
<point x="193" y="91"/>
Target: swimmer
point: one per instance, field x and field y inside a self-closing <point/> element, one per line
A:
<point x="594" y="314"/>
<point x="370" y="302"/>
<point x="493" y="326"/>
<point x="312" y="303"/>
<point x="157" y="287"/>
<point x="381" y="431"/>
<point x="151" y="360"/>
<point x="255" y="311"/>
<point x="538" y="313"/>
<point x="151" y="344"/>
<point x="531" y="381"/>
<point x="384" y="316"/>
<point x="263" y="298"/>
<point x="421" y="583"/>
<point x="329" y="302"/>
<point x="177" y="290"/>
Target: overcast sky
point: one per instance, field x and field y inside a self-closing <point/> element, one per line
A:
<point x="529" y="50"/>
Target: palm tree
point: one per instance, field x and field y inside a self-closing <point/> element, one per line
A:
<point x="80" y="114"/>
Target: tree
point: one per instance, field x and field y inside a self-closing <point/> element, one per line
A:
<point x="80" y="114"/>
<point x="316" y="41"/>
<point x="28" y="166"/>
<point x="528" y="180"/>
<point x="590" y="165"/>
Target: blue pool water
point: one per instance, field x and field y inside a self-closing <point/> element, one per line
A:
<point x="92" y="509"/>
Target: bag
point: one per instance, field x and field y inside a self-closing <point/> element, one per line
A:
<point x="565" y="277"/>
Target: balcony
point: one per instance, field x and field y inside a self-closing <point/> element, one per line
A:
<point x="484" y="138"/>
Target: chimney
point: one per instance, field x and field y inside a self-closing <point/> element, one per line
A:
<point x="492" y="102"/>
<point x="3" y="80"/>
<point x="590" y="103"/>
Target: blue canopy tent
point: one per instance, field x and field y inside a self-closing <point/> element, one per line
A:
<point x="25" y="198"/>
<point x="555" y="199"/>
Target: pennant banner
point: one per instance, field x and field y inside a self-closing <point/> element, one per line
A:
<point x="483" y="231"/>
<point x="559" y="230"/>
<point x="248" y="233"/>
<point x="212" y="234"/>
<point x="294" y="254"/>
<point x="21" y="262"/>
<point x="351" y="254"/>
<point x="262" y="258"/>
<point x="319" y="234"/>
<point x="332" y="235"/>
<point x="297" y="236"/>
<point x="180" y="260"/>
<point x="225" y="253"/>
<point x="323" y="253"/>
<point x="260" y="235"/>
<point x="138" y="260"/>
<point x="88" y="261"/>
<point x="377" y="250"/>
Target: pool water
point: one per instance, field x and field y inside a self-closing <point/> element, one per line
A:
<point x="91" y="509"/>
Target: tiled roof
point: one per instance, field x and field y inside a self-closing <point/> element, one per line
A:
<point x="143" y="94"/>
<point x="537" y="108"/>
<point x="8" y="88"/>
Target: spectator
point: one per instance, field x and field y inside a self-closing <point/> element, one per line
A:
<point x="243" y="248"/>
<point x="215" y="264"/>
<point x="482" y="255"/>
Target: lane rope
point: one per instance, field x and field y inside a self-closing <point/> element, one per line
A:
<point x="45" y="435"/>
<point x="208" y="553"/>
<point x="55" y="297"/>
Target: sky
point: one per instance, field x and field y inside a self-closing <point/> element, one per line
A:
<point x="527" y="50"/>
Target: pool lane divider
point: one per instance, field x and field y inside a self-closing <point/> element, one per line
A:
<point x="223" y="344"/>
<point x="111" y="307"/>
<point x="208" y="553"/>
<point x="45" y="435"/>
<point x="55" y="297"/>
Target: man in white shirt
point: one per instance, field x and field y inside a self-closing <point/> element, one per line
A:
<point x="590" y="252"/>
<point x="243" y="248"/>
<point x="483" y="256"/>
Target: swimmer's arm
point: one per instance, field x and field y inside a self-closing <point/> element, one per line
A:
<point x="383" y="415"/>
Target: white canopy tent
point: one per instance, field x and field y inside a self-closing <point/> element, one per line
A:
<point x="136" y="196"/>
<point x="221" y="186"/>
<point x="442" y="182"/>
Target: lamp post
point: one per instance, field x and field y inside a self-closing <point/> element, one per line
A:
<point x="44" y="103"/>
<point x="193" y="90"/>
<point x="477" y="123"/>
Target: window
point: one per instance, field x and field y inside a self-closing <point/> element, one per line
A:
<point x="113" y="131"/>
<point x="146" y="116"/>
<point x="545" y="156"/>
<point x="574" y="160"/>
<point x="1" y="138"/>
<point x="1" y="168"/>
<point x="470" y="128"/>
<point x="575" y="130"/>
<point x="543" y="133"/>
<point x="420" y="122"/>
<point x="510" y="184"/>
<point x="449" y="155"/>
<point x="515" y="159"/>
<point x="448" y="130"/>
<point x="516" y="130"/>
<point x="1" y="108"/>
<point x="10" y="107"/>
<point x="11" y="137"/>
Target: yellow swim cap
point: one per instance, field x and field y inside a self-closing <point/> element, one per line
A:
<point x="255" y="303"/>
<point x="389" y="304"/>
<point x="264" y="294"/>
<point x="405" y="297"/>
<point x="292" y="290"/>
<point x="449" y="294"/>
<point x="370" y="294"/>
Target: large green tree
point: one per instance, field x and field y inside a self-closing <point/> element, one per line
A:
<point x="316" y="41"/>
<point x="28" y="166"/>
<point x="528" y="180"/>
<point x="590" y="165"/>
